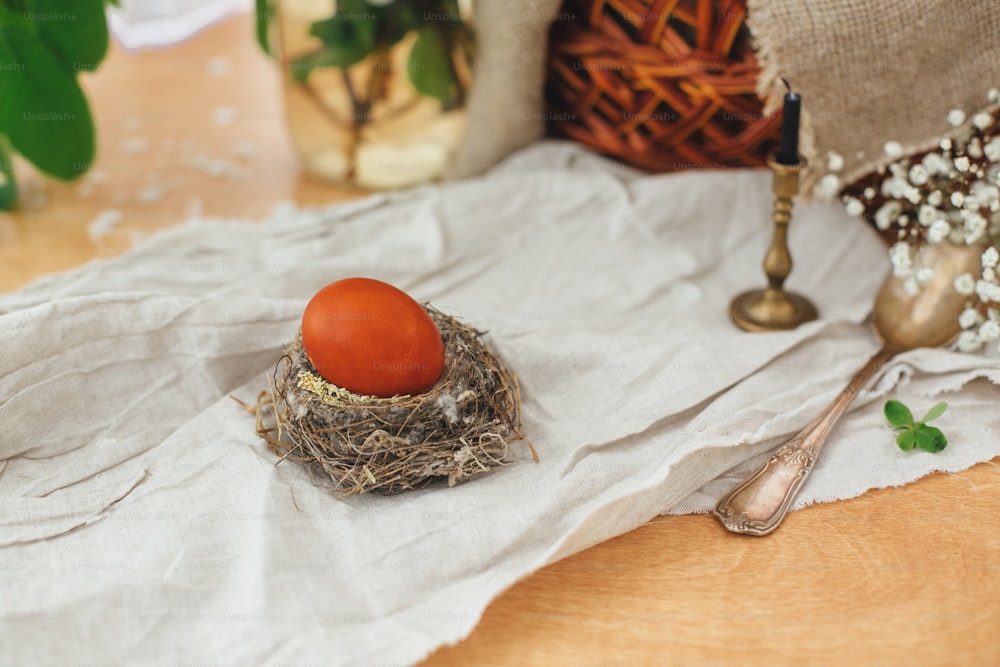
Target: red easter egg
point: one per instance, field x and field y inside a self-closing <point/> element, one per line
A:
<point x="371" y="338"/>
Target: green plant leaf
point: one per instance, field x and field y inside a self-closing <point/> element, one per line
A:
<point x="351" y="31"/>
<point x="8" y="180"/>
<point x="302" y="67"/>
<point x="262" y="16"/>
<point x="42" y="109"/>
<point x="13" y="15"/>
<point x="906" y="440"/>
<point x="898" y="414"/>
<point x="77" y="32"/>
<point x="396" y="21"/>
<point x="929" y="438"/>
<point x="935" y="412"/>
<point x="429" y="66"/>
<point x="348" y="37"/>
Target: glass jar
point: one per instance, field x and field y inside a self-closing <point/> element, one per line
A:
<point x="375" y="90"/>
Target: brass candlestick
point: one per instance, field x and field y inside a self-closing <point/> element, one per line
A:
<point x="773" y="308"/>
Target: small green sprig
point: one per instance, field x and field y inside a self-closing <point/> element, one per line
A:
<point x="912" y="434"/>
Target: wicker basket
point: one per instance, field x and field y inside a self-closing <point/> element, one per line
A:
<point x="661" y="84"/>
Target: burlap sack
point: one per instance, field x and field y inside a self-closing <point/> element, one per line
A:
<point x="870" y="72"/>
<point x="506" y="106"/>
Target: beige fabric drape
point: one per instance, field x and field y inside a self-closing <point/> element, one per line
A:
<point x="506" y="103"/>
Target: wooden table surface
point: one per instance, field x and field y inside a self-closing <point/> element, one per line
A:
<point x="906" y="576"/>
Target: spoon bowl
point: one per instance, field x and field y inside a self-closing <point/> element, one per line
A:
<point x="928" y="318"/>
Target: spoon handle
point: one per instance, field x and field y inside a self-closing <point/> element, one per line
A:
<point x="758" y="505"/>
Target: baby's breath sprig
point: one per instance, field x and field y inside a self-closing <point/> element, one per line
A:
<point x="950" y="193"/>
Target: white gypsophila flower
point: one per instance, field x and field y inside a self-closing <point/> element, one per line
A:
<point x="893" y="187"/>
<point x="965" y="284"/>
<point x="945" y="144"/>
<point x="938" y="231"/>
<point x="902" y="221"/>
<point x="827" y="187"/>
<point x="990" y="274"/>
<point x="992" y="150"/>
<point x="993" y="95"/>
<point x="982" y="120"/>
<point x="886" y="213"/>
<point x="854" y="206"/>
<point x="927" y="214"/>
<point x="834" y="161"/>
<point x="898" y="187"/>
<point x="989" y="331"/>
<point x="957" y="199"/>
<point x="990" y="257"/>
<point x="918" y="174"/>
<point x="893" y="149"/>
<point x="911" y="286"/>
<point x="971" y="202"/>
<point x="988" y="291"/>
<point x="901" y="256"/>
<point x="935" y="164"/>
<point x="956" y="117"/>
<point x="969" y="318"/>
<point x="975" y="228"/>
<point x="962" y="163"/>
<point x="869" y="192"/>
<point x="993" y="315"/>
<point x="968" y="341"/>
<point x="985" y="192"/>
<point x="898" y="169"/>
<point x="924" y="275"/>
<point x="935" y="198"/>
<point x="974" y="149"/>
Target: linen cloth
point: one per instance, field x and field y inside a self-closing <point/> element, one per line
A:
<point x="142" y="520"/>
<point x="506" y="109"/>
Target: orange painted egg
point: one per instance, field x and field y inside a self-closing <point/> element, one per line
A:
<point x="371" y="338"/>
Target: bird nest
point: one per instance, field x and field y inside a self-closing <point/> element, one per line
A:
<point x="460" y="427"/>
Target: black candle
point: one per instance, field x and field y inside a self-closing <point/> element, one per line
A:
<point x="788" y="153"/>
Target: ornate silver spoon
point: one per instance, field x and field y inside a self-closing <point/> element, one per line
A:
<point x="901" y="322"/>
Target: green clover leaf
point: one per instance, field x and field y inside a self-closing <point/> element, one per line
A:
<point x="929" y="438"/>
<point x="935" y="412"/>
<point x="906" y="440"/>
<point x="919" y="434"/>
<point x="898" y="414"/>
